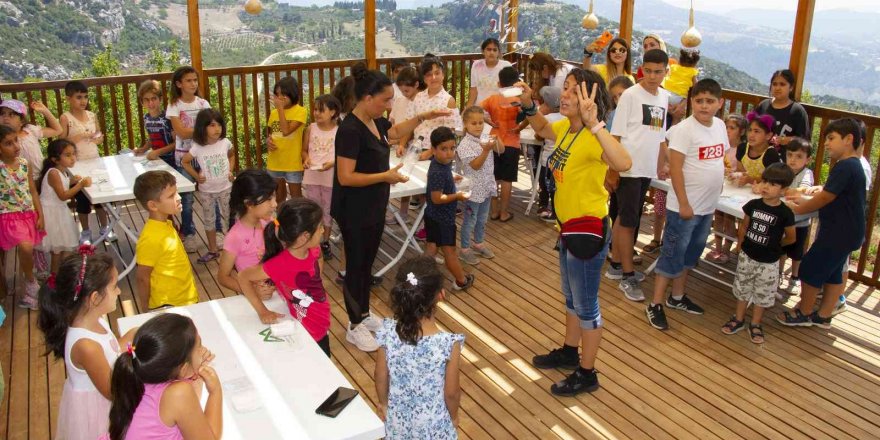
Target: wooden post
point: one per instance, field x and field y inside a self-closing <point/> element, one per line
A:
<point x="512" y="23"/>
<point x="800" y="43"/>
<point x="195" y="44"/>
<point x="370" y="33"/>
<point x="626" y="19"/>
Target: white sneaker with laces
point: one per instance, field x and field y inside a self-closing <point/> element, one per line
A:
<point x="372" y="323"/>
<point x="361" y="337"/>
<point x="191" y="243"/>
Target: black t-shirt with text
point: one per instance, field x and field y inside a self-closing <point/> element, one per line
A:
<point x="790" y="121"/>
<point x="763" y="240"/>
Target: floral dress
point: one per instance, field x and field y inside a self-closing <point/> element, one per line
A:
<point x="423" y="103"/>
<point x="417" y="373"/>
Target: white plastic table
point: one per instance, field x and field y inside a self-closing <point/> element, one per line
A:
<point x="284" y="382"/>
<point x="113" y="181"/>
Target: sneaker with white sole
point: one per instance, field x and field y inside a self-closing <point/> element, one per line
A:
<point x="108" y="234"/>
<point x="684" y="304"/>
<point x="631" y="289"/>
<point x="483" y="252"/>
<point x="361" y="337"/>
<point x="221" y="238"/>
<point x="85" y="237"/>
<point x="372" y="322"/>
<point x="468" y="282"/>
<point x="468" y="256"/>
<point x="656" y="317"/>
<point x="439" y="259"/>
<point x="191" y="243"/>
<point x="617" y="274"/>
<point x="29" y="299"/>
<point x="839" y="308"/>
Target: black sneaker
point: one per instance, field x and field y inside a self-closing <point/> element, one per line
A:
<point x="556" y="359"/>
<point x="468" y="282"/>
<point x="656" y="317"/>
<point x="684" y="304"/>
<point x="576" y="383"/>
<point x="375" y="281"/>
<point x="325" y="251"/>
<point x="819" y="321"/>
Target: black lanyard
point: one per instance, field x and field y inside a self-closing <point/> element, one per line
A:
<point x="572" y="139"/>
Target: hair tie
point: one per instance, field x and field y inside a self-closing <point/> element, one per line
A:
<point x="85" y="251"/>
<point x="50" y="282"/>
<point x="411" y="278"/>
<point x="130" y="349"/>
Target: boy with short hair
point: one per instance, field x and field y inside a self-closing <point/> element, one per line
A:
<point x="164" y="273"/>
<point x="159" y="143"/>
<point x="696" y="165"/>
<point x="441" y="198"/>
<point x="640" y="126"/>
<point x="841" y="206"/>
<point x="797" y="157"/>
<point x="503" y="118"/>
<point x="767" y="228"/>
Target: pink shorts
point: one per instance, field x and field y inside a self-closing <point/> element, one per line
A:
<point x="660" y="203"/>
<point x="321" y="195"/>
<point x="19" y="227"/>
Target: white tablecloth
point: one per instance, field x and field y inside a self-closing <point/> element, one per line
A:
<point x="113" y="176"/>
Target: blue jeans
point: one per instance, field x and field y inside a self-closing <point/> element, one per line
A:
<point x="475" y="216"/>
<point x="187" y="227"/>
<point x="683" y="243"/>
<point x="580" y="285"/>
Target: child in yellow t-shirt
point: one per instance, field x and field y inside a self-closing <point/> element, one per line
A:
<point x="682" y="76"/>
<point x="164" y="273"/>
<point x="285" y="139"/>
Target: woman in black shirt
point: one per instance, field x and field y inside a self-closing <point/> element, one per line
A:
<point x="791" y="117"/>
<point x="361" y="186"/>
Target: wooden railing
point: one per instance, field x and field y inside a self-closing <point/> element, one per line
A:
<point x="243" y="95"/>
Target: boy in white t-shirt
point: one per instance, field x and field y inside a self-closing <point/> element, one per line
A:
<point x="640" y="126"/>
<point x="696" y="165"/>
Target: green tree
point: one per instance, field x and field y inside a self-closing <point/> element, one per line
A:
<point x="105" y="63"/>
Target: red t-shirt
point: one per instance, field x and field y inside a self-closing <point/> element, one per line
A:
<point x="504" y="116"/>
<point x="290" y="274"/>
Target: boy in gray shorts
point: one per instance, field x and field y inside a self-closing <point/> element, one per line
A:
<point x="767" y="227"/>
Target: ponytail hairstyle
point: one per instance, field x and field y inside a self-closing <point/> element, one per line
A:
<point x="178" y="75"/>
<point x="603" y="98"/>
<point x="416" y="286"/>
<point x="203" y="120"/>
<point x="296" y="217"/>
<point x="740" y="122"/>
<point x="330" y="103"/>
<point x="53" y="155"/>
<point x="788" y="76"/>
<point x="409" y="76"/>
<point x="67" y="294"/>
<point x="343" y="91"/>
<point x="251" y="187"/>
<point x="367" y="82"/>
<point x="428" y="62"/>
<point x="160" y="349"/>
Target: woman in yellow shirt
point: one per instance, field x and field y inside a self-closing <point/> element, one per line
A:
<point x="618" y="61"/>
<point x="585" y="151"/>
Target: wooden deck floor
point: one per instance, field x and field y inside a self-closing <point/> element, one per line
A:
<point x="689" y="382"/>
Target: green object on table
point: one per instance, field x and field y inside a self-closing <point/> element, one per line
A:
<point x="267" y="336"/>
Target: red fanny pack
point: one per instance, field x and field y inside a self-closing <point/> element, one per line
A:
<point x="584" y="236"/>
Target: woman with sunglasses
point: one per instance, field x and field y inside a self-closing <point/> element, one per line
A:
<point x="617" y="60"/>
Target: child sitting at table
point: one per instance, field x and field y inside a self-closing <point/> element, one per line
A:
<point x="417" y="367"/>
<point x="164" y="273"/>
<point x="215" y="158"/>
<point x="441" y="196"/>
<point x="478" y="166"/>
<point x="767" y="227"/>
<point x="797" y="156"/>
<point x="293" y="262"/>
<point x="757" y="154"/>
<point x="159" y="143"/>
<point x="696" y="168"/>
<point x="252" y="202"/>
<point x="73" y="307"/>
<point x="156" y="380"/>
<point x="724" y="223"/>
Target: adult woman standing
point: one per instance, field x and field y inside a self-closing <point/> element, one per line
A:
<point x="651" y="41"/>
<point x="361" y="187"/>
<point x="584" y="151"/>
<point x="546" y="71"/>
<point x="791" y="117"/>
<point x="617" y="61"/>
<point x="484" y="73"/>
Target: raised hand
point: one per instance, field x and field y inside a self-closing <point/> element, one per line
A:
<point x="587" y="104"/>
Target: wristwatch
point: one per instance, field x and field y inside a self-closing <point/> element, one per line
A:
<point x="587" y="52"/>
<point x="597" y="127"/>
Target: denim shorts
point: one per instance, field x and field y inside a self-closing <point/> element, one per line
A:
<point x="683" y="243"/>
<point x="580" y="285"/>
<point x="288" y="176"/>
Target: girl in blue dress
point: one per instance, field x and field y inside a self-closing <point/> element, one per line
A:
<point x="417" y="367"/>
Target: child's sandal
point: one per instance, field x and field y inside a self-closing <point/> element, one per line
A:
<point x="756" y="333"/>
<point x="733" y="326"/>
<point x="653" y="246"/>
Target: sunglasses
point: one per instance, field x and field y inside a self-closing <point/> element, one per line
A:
<point x="617" y="50"/>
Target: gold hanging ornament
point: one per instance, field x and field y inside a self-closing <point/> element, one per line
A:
<point x="590" y="21"/>
<point x="691" y="38"/>
<point x="253" y="7"/>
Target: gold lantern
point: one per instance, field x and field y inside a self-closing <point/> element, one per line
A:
<point x="691" y="38"/>
<point x="590" y="21"/>
<point x="253" y="7"/>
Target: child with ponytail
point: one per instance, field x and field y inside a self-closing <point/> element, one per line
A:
<point x="417" y="366"/>
<point x="72" y="309"/>
<point x="155" y="380"/>
<point x="293" y="262"/>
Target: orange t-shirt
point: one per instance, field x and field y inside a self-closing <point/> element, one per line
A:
<point x="504" y="116"/>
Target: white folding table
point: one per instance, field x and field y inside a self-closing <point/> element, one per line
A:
<point x="270" y="388"/>
<point x="113" y="181"/>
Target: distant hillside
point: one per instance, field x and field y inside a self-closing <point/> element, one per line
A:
<point x="56" y="39"/>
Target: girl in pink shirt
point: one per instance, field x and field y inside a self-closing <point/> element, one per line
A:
<point x="293" y="262"/>
<point x="252" y="204"/>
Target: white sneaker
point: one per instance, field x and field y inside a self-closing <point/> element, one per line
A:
<point x="372" y="323"/>
<point x="631" y="289"/>
<point x="191" y="243"/>
<point x="85" y="237"/>
<point x="221" y="237"/>
<point x="361" y="337"/>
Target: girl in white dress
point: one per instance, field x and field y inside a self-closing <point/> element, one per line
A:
<point x="55" y="190"/>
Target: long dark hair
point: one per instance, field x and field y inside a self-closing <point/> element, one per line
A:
<point x="53" y="153"/>
<point x="416" y="286"/>
<point x="60" y="304"/>
<point x="178" y="75"/>
<point x="296" y="216"/>
<point x="289" y="88"/>
<point x="788" y="76"/>
<point x="250" y="188"/>
<point x="603" y="98"/>
<point x="367" y="82"/>
<point x="428" y="62"/>
<point x="203" y="120"/>
<point x="159" y="350"/>
<point x="343" y="91"/>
